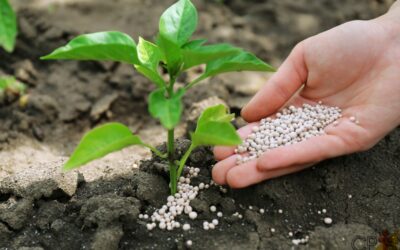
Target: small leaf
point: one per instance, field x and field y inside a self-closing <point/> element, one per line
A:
<point x="110" y="46"/>
<point x="214" y="128"/>
<point x="240" y="62"/>
<point x="149" y="54"/>
<point x="202" y="55"/>
<point x="179" y="22"/>
<point x="168" y="110"/>
<point x="101" y="141"/>
<point x="172" y="54"/>
<point x="218" y="113"/>
<point x="8" y="26"/>
<point x="194" y="44"/>
<point x="216" y="133"/>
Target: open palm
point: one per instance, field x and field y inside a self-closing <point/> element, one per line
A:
<point x="355" y="66"/>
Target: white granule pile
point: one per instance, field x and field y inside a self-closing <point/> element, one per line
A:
<point x="291" y="125"/>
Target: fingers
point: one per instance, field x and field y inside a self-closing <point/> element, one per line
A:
<point x="220" y="169"/>
<point x="291" y="75"/>
<point x="227" y="173"/>
<point x="222" y="152"/>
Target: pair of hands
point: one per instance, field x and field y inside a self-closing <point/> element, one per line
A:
<point x="355" y="66"/>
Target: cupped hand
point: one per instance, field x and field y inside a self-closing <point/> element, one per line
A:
<point x="355" y="66"/>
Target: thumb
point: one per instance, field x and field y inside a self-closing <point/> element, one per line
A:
<point x="291" y="75"/>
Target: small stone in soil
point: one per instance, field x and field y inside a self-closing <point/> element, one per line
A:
<point x="328" y="220"/>
<point x="213" y="208"/>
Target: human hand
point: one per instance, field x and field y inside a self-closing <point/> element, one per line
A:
<point x="355" y="66"/>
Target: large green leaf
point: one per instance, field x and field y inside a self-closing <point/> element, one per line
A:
<point x="8" y="26"/>
<point x="202" y="55"/>
<point x="100" y="142"/>
<point x="214" y="128"/>
<point x="168" y="110"/>
<point x="216" y="133"/>
<point x="179" y="22"/>
<point x="109" y="46"/>
<point x="243" y="61"/>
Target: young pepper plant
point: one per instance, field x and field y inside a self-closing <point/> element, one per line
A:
<point x="174" y="51"/>
<point x="8" y="26"/>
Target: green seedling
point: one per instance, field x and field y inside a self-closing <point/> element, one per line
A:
<point x="10" y="87"/>
<point x="8" y="26"/>
<point x="175" y="52"/>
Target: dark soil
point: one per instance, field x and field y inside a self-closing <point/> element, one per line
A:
<point x="68" y="97"/>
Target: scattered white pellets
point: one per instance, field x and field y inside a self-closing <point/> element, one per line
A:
<point x="300" y="241"/>
<point x="280" y="211"/>
<point x="192" y="215"/>
<point x="291" y="125"/>
<point x="219" y="214"/>
<point x="350" y="196"/>
<point x="213" y="208"/>
<point x="272" y="230"/>
<point x="290" y="234"/>
<point x="328" y="220"/>
<point x="324" y="211"/>
<point x="215" y="222"/>
<point x="189" y="243"/>
<point x="176" y="205"/>
<point x="262" y="210"/>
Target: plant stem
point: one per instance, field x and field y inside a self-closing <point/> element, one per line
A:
<point x="171" y="161"/>
<point x="184" y="159"/>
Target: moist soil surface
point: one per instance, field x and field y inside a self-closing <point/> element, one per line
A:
<point x="41" y="208"/>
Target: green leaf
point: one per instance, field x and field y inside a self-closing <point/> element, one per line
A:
<point x="202" y="55"/>
<point x="194" y="44"/>
<point x="10" y="84"/>
<point x="8" y="26"/>
<point x="216" y="133"/>
<point x="168" y="110"/>
<point x="218" y="113"/>
<point x="109" y="46"/>
<point x="172" y="54"/>
<point x="240" y="62"/>
<point x="149" y="54"/>
<point x="214" y="128"/>
<point x="179" y="22"/>
<point x="101" y="141"/>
